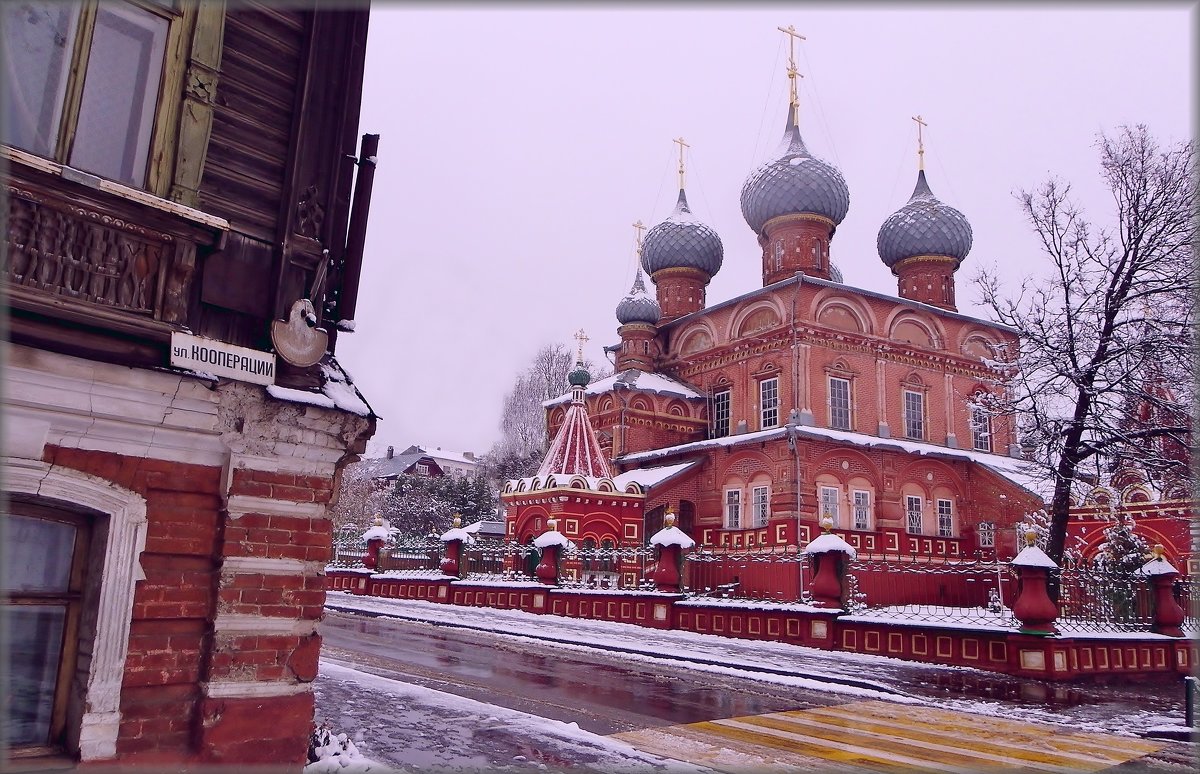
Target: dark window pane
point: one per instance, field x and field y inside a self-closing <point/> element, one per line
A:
<point x="35" y="635"/>
<point x="120" y="92"/>
<point x="36" y="48"/>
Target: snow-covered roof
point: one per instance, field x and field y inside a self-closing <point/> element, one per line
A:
<point x="648" y="478"/>
<point x="1020" y="472"/>
<point x="672" y="536"/>
<point x="438" y="453"/>
<point x="575" y="451"/>
<point x="637" y="380"/>
<point x="337" y="391"/>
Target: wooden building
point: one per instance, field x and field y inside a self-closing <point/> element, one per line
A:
<point x="182" y="249"/>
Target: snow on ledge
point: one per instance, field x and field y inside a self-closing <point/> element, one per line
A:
<point x="1158" y="566"/>
<point x="458" y="533"/>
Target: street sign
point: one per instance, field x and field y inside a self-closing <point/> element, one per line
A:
<point x="219" y="358"/>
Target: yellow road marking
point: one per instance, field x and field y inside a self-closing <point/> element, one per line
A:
<point x="882" y="736"/>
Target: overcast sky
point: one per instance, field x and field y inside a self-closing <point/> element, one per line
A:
<point x="519" y="145"/>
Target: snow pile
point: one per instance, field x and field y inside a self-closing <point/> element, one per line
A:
<point x="377" y="532"/>
<point x="328" y="753"/>
<point x="672" y="536"/>
<point x="458" y="533"/>
<point x="1032" y="556"/>
<point x="828" y="542"/>
<point x="1158" y="566"/>
<point x="552" y="538"/>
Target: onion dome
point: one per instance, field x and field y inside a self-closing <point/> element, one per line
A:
<point x="579" y="377"/>
<point x="639" y="306"/>
<point x="795" y="182"/>
<point x="682" y="241"/>
<point x="924" y="226"/>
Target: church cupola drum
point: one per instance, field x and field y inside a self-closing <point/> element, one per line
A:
<point x="794" y="202"/>
<point x="681" y="255"/>
<point x="924" y="242"/>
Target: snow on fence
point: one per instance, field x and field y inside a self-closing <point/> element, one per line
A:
<point x="956" y="591"/>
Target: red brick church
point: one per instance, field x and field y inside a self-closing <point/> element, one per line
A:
<point x="755" y="417"/>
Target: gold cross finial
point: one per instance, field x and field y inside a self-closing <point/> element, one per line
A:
<point x="640" y="227"/>
<point x="792" y="72"/>
<point x="679" y="141"/>
<point x="920" y="142"/>
<point x="581" y="337"/>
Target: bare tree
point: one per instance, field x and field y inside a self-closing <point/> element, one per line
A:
<point x="1104" y="371"/>
<point x="360" y="497"/>
<point x="523" y="421"/>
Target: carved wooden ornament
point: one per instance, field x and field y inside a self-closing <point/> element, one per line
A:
<point x="295" y="340"/>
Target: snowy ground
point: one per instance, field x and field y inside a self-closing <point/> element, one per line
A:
<point x="412" y="728"/>
<point x="404" y="727"/>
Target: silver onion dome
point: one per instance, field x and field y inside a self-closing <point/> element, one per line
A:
<point x="639" y="306"/>
<point x="682" y="241"/>
<point x="795" y="182"/>
<point x="923" y="226"/>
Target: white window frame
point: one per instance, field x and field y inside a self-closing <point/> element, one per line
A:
<point x="733" y="509"/>
<point x="945" y="514"/>
<point x="768" y="403"/>
<point x="721" y="418"/>
<point x="981" y="429"/>
<point x="861" y="503"/>
<point x="914" y="415"/>
<point x="986" y="533"/>
<point x="914" y="522"/>
<point x="848" y="409"/>
<point x="760" y="504"/>
<point x="829" y="498"/>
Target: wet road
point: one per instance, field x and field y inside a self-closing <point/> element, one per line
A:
<point x="604" y="694"/>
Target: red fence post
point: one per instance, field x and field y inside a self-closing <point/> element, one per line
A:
<point x="1033" y="606"/>
<point x="1168" y="614"/>
<point x="375" y="537"/>
<point x="670" y="541"/>
<point x="831" y="555"/>
<point x="454" y="538"/>
<point x="551" y="542"/>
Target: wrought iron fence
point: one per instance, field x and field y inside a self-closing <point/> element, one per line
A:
<point x="956" y="591"/>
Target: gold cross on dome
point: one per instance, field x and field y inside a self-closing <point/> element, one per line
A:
<point x="920" y="141"/>
<point x="679" y="141"/>
<point x="640" y="227"/>
<point x="792" y="72"/>
<point x="581" y="337"/>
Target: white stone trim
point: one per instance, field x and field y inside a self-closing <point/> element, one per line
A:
<point x="245" y="689"/>
<point x="264" y="566"/>
<point x="298" y="466"/>
<point x="228" y="623"/>
<point x="240" y="505"/>
<point x="81" y="404"/>
<point x="121" y="571"/>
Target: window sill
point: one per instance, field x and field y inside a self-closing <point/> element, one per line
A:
<point x="14" y="156"/>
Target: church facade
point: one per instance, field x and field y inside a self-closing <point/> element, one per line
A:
<point x="802" y="400"/>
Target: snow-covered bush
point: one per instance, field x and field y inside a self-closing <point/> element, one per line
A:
<point x="329" y="753"/>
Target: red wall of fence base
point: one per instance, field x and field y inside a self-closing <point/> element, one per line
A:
<point x="1064" y="657"/>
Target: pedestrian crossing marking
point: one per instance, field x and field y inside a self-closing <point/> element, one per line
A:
<point x="884" y="736"/>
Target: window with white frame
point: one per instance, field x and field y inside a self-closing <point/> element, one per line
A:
<point x="945" y="514"/>
<point x="733" y="508"/>
<point x="720" y="414"/>
<point x="862" y="509"/>
<point x="422" y="469"/>
<point x="760" y="498"/>
<point x="986" y="532"/>
<point x="768" y="397"/>
<point x="912" y="513"/>
<point x="830" y="495"/>
<point x="914" y="414"/>
<point x="981" y="429"/>
<point x="839" y="403"/>
<point x="82" y="82"/>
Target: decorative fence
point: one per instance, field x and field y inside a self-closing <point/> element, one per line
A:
<point x="957" y="591"/>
